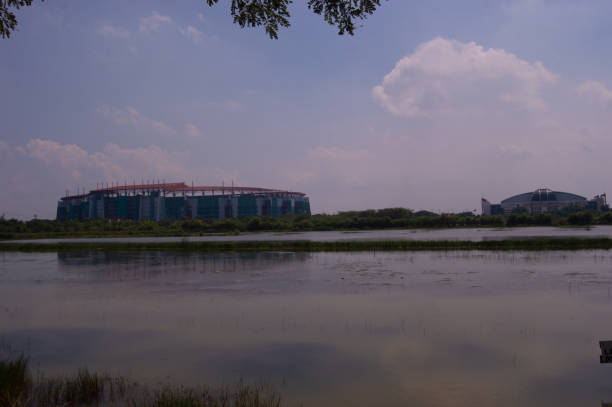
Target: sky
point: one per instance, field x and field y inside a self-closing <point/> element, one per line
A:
<point x="430" y="105"/>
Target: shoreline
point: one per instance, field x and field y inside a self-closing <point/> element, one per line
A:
<point x="562" y="243"/>
<point x="7" y="238"/>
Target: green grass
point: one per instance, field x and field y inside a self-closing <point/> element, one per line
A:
<point x="311" y="246"/>
<point x="84" y="388"/>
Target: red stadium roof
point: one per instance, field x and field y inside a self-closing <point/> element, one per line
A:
<point x="181" y="187"/>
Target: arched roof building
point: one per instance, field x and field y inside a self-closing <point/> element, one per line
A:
<point x="541" y="200"/>
<point x="177" y="200"/>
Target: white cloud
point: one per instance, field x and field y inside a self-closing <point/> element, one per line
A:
<point x="153" y="22"/>
<point x="121" y="164"/>
<point x="131" y="116"/>
<point x="448" y="76"/>
<point x="595" y="91"/>
<point x="69" y="156"/>
<point x="201" y="18"/>
<point x="193" y="131"/>
<point x="192" y="33"/>
<point x="113" y="31"/>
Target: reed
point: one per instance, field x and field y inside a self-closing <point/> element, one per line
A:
<point x="15" y="382"/>
<point x="85" y="388"/>
<point x="313" y="246"/>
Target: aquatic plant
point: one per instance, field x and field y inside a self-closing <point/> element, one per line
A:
<point x="15" y="382"/>
<point x="85" y="388"/>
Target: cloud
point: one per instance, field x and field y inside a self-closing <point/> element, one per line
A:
<point x="131" y="116"/>
<point x="36" y="174"/>
<point x="67" y="155"/>
<point x="201" y="18"/>
<point x="448" y="76"/>
<point x="5" y="148"/>
<point x="595" y="91"/>
<point x="120" y="164"/>
<point x="192" y="131"/>
<point x="153" y="22"/>
<point x="112" y="31"/>
<point x="332" y="164"/>
<point x="192" y="33"/>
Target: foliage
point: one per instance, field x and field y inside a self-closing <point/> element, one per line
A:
<point x="581" y="218"/>
<point x="342" y="13"/>
<point x="387" y="218"/>
<point x="270" y="14"/>
<point x="8" y="21"/>
<point x="273" y="14"/>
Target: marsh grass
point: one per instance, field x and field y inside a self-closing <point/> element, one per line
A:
<point x="315" y="246"/>
<point x="84" y="388"/>
<point x="15" y="382"/>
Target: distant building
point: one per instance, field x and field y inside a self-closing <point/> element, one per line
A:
<point x="542" y="200"/>
<point x="179" y="201"/>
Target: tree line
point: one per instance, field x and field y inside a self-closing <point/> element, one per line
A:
<point x="388" y="218"/>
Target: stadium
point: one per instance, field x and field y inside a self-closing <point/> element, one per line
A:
<point x="157" y="201"/>
<point x="542" y="200"/>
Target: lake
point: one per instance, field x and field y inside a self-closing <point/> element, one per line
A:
<point x="328" y="329"/>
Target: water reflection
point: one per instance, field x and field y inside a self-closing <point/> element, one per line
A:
<point x="145" y="265"/>
<point x="427" y="328"/>
<point x="606" y="351"/>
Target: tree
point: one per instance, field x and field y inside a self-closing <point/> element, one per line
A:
<point x="8" y="21"/>
<point x="271" y="14"/>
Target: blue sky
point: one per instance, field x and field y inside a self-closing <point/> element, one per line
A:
<point x="431" y="105"/>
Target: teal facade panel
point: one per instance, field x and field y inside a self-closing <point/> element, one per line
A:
<point x="247" y="206"/>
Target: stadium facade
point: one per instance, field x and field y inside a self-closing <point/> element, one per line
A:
<point x="159" y="201"/>
<point x="542" y="200"/>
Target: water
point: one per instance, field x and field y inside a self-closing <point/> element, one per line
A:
<point x="474" y="234"/>
<point x="329" y="329"/>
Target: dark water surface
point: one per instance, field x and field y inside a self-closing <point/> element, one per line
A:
<point x="348" y="329"/>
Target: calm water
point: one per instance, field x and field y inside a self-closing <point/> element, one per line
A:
<point x="352" y="329"/>
<point x="408" y="234"/>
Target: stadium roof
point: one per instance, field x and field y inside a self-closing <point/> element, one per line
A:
<point x="543" y="194"/>
<point x="181" y="187"/>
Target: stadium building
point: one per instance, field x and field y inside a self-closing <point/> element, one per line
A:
<point x="542" y="200"/>
<point x="179" y="201"/>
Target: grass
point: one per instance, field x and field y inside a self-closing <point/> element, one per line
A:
<point x="84" y="388"/>
<point x="313" y="246"/>
<point x="15" y="382"/>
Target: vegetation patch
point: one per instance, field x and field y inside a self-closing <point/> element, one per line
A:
<point x="389" y="218"/>
<point x="314" y="246"/>
<point x="84" y="388"/>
